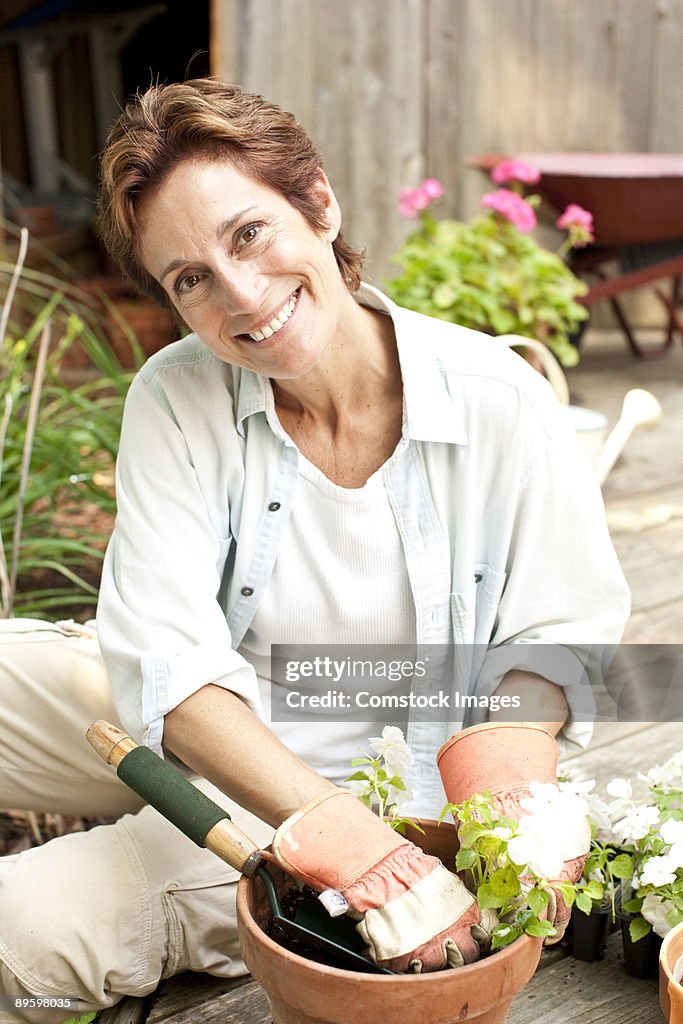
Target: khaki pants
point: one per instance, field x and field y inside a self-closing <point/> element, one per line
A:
<point x="110" y="912"/>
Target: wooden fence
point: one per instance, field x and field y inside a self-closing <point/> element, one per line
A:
<point x="396" y="90"/>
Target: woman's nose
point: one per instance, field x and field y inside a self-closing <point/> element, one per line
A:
<point x="242" y="286"/>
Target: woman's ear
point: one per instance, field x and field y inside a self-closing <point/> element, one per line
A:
<point x="331" y="206"/>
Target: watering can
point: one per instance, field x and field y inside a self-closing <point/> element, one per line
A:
<point x="639" y="408"/>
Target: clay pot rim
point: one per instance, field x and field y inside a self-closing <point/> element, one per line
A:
<point x="303" y="964"/>
<point x="671" y="938"/>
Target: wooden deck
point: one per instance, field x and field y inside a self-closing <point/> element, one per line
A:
<point x="644" y="500"/>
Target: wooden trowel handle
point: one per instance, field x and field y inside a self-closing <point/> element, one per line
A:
<point x="166" y="789"/>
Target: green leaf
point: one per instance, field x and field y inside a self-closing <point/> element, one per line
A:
<point x="539" y="928"/>
<point x="503" y="935"/>
<point x="568" y="893"/>
<point x="639" y="928"/>
<point x="444" y="295"/>
<point x="633" y="906"/>
<point x="537" y="900"/>
<point x="465" y="859"/>
<point x="358" y="777"/>
<point x="486" y="897"/>
<point x="584" y="902"/>
<point x="622" y="866"/>
<point x="594" y="889"/>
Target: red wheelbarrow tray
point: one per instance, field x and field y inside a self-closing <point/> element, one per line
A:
<point x="635" y="198"/>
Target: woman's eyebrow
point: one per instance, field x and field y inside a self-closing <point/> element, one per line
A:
<point x="230" y="223"/>
<point x="223" y="228"/>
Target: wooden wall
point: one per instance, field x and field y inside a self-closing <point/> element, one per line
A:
<point x="396" y="90"/>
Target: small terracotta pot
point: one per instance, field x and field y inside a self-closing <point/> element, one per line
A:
<point x="671" y="976"/>
<point x="301" y="991"/>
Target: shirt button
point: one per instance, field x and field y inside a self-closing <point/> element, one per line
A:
<point x="478" y="577"/>
<point x="274" y="506"/>
<point x="247" y="591"/>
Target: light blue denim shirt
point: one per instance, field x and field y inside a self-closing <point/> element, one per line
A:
<point x="499" y="513"/>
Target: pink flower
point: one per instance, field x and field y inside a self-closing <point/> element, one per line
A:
<point x="579" y="223"/>
<point x="515" y="170"/>
<point x="432" y="188"/>
<point x="512" y="207"/>
<point x="412" y="200"/>
<point x="575" y="216"/>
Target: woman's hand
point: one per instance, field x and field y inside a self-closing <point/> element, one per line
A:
<point x="414" y="914"/>
<point x="504" y="758"/>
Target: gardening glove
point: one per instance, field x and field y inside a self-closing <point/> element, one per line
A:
<point x="414" y="915"/>
<point x="504" y="758"/>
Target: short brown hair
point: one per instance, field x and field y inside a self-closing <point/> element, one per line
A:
<point x="204" y="118"/>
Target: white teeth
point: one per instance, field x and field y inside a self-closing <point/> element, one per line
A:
<point x="278" y="321"/>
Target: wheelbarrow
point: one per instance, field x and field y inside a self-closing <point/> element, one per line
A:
<point x="637" y="204"/>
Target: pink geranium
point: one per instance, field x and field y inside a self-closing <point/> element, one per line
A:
<point x="432" y="188"/>
<point x="512" y="207"/>
<point x="412" y="200"/>
<point x="515" y="170"/>
<point x="578" y="222"/>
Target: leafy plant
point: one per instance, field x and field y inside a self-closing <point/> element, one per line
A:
<point x="489" y="273"/>
<point x="379" y="782"/>
<point x="640" y="844"/>
<point x="514" y="891"/>
<point x="57" y="447"/>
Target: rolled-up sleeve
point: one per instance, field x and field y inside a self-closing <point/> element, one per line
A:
<point x="162" y="630"/>
<point x="565" y="601"/>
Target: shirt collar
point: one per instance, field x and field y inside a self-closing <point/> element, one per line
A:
<point x="430" y="412"/>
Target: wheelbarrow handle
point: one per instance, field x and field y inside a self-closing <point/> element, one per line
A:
<point x="167" y="789"/>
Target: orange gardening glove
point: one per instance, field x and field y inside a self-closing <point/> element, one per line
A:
<point x="413" y="913"/>
<point x="504" y="758"/>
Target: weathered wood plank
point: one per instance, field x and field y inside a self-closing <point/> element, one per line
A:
<point x="631" y="91"/>
<point x="188" y="991"/>
<point x="129" y="1011"/>
<point x="667" y="112"/>
<point x="629" y="752"/>
<point x="247" y="1004"/>
<point x="572" y="992"/>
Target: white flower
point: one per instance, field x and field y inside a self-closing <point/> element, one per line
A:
<point x="655" y="910"/>
<point x="636" y="824"/>
<point x="537" y="849"/>
<point x="669" y="774"/>
<point x="620" y="788"/>
<point x="672" y="832"/>
<point x="556" y="829"/>
<point x="391" y="745"/>
<point x="658" y="871"/>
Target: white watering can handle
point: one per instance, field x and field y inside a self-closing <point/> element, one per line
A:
<point x="551" y="367"/>
<point x="640" y="408"/>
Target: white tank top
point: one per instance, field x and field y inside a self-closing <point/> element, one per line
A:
<point x="340" y="578"/>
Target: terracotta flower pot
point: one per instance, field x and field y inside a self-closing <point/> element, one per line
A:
<point x="671" y="976"/>
<point x="301" y="991"/>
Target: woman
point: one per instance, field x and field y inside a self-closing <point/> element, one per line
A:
<point x="311" y="465"/>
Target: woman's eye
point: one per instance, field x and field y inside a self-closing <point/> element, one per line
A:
<point x="249" y="233"/>
<point x="189" y="282"/>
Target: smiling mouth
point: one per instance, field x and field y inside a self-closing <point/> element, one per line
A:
<point x="278" y="321"/>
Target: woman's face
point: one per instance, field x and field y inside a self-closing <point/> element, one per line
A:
<point x="243" y="267"/>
